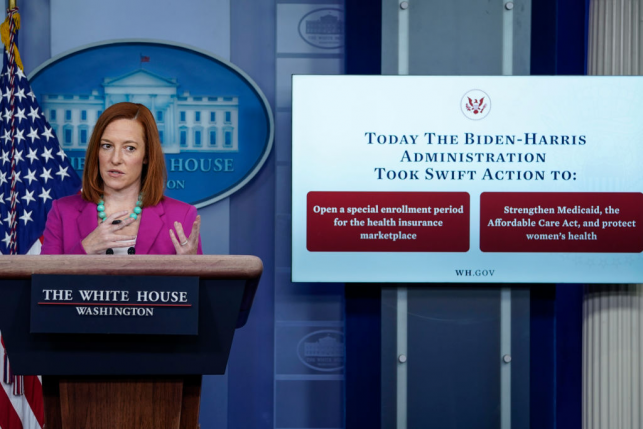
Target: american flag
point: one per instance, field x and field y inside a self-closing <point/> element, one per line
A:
<point x="34" y="171"/>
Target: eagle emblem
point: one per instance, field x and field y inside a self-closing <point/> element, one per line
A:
<point x="476" y="106"/>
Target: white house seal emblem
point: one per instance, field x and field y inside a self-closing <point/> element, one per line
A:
<point x="476" y="104"/>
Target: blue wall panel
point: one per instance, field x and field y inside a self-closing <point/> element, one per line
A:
<point x="309" y="321"/>
<point x="454" y="361"/>
<point x="302" y="404"/>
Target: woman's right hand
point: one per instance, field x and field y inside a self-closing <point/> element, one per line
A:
<point x="104" y="236"/>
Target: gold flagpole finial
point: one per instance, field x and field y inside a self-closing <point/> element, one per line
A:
<point x="11" y="26"/>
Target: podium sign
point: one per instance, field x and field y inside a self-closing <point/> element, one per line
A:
<point x="66" y="304"/>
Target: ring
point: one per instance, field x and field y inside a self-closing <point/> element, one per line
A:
<point x="184" y="243"/>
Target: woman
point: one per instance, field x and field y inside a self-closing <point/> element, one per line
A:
<point x="121" y="208"/>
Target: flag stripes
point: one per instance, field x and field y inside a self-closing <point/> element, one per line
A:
<point x="24" y="411"/>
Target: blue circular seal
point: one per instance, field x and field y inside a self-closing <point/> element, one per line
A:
<point x="215" y="124"/>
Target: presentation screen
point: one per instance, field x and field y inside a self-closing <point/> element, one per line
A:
<point x="467" y="179"/>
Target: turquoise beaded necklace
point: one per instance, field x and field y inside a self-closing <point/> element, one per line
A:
<point x="137" y="210"/>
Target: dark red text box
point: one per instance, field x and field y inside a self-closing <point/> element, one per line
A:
<point x="372" y="222"/>
<point x="561" y="222"/>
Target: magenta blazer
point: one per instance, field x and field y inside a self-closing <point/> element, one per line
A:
<point x="71" y="219"/>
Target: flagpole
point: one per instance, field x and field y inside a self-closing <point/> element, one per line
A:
<point x="13" y="4"/>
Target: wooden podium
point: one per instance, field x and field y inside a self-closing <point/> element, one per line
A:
<point x="126" y="381"/>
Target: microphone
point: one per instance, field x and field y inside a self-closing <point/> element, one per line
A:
<point x="109" y="252"/>
<point x="131" y="251"/>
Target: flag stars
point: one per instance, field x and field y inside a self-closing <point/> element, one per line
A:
<point x="33" y="114"/>
<point x="6" y="240"/>
<point x="26" y="216"/>
<point x="19" y="135"/>
<point x="31" y="176"/>
<point x="33" y="156"/>
<point x="23" y="205"/>
<point x="62" y="172"/>
<point x="6" y="136"/>
<point x="21" y="114"/>
<point x="47" y="133"/>
<point x="44" y="194"/>
<point x="18" y="156"/>
<point x="33" y="134"/>
<point x="28" y="197"/>
<point x="46" y="174"/>
<point x="9" y="219"/>
<point x="21" y="94"/>
<point x="47" y="154"/>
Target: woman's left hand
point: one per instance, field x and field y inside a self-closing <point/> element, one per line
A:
<point x="186" y="245"/>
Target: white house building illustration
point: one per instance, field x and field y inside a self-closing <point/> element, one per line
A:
<point x="185" y="122"/>
<point x="326" y="346"/>
<point x="327" y="24"/>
